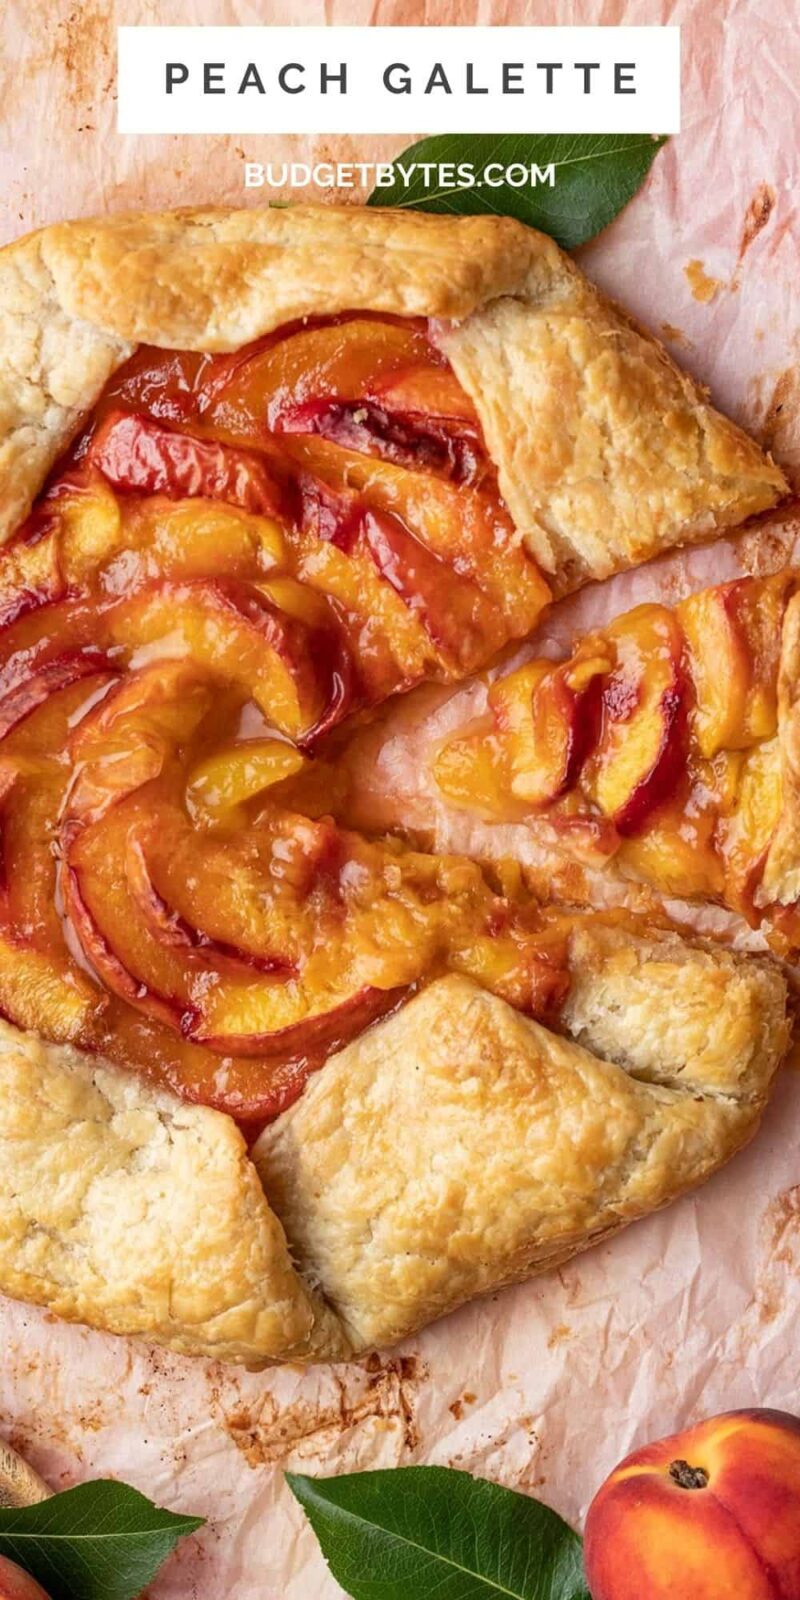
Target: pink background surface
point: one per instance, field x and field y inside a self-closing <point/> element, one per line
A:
<point x="692" y="1311"/>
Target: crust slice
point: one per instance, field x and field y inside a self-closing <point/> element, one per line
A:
<point x="460" y="1146"/>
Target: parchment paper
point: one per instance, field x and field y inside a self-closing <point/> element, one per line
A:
<point x="695" y="1310"/>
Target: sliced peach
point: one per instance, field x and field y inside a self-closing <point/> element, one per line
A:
<point x="219" y="786"/>
<point x="424" y="391"/>
<point x="138" y="455"/>
<point x="45" y="996"/>
<point x="676" y="852"/>
<point x="457" y="616"/>
<point x="340" y="360"/>
<point x="734" y="636"/>
<point x="151" y="956"/>
<point x="416" y="440"/>
<point x="230" y="628"/>
<point x="170" y="928"/>
<point x="565" y="707"/>
<point x="179" y="539"/>
<point x="242" y="1024"/>
<point x="90" y="528"/>
<point x="30" y="572"/>
<point x="115" y="956"/>
<point x="126" y="740"/>
<point x="745" y="835"/>
<point x="50" y="678"/>
<point x="473" y="771"/>
<point x="642" y="747"/>
<point x="465" y="528"/>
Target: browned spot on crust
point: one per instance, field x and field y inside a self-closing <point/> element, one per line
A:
<point x="757" y="216"/>
<point x="702" y="285"/>
<point x="381" y="1390"/>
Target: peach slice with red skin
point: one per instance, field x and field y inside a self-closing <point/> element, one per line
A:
<point x="171" y="929"/>
<point x="453" y="615"/>
<point x="299" y="677"/>
<point x="733" y="633"/>
<point x="127" y="739"/>
<point x="315" y="1036"/>
<point x="52" y="676"/>
<point x="710" y="1513"/>
<point x="641" y="751"/>
<point x="148" y="955"/>
<point x="744" y="837"/>
<point x="565" y="715"/>
<point x="344" y="359"/>
<point x="452" y="449"/>
<point x="139" y="456"/>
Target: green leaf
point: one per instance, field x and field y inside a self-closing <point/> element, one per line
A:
<point x="100" y="1541"/>
<point x="596" y="174"/>
<point x="411" y="1532"/>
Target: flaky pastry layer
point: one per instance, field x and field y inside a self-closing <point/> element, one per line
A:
<point x="456" y="1146"/>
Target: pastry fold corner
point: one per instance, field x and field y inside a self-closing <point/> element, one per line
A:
<point x="126" y="1208"/>
<point x="459" y="1146"/>
<point x="451" y="1149"/>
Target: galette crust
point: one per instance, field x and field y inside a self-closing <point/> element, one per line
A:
<point x="124" y="1207"/>
<point x="455" y="1146"/>
<point x="607" y="453"/>
<point x="460" y="1146"/>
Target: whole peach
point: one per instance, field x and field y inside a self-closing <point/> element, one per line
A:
<point x="16" y="1584"/>
<point x="710" y="1514"/>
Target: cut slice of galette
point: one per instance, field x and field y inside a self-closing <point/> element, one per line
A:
<point x="662" y="752"/>
<point x="258" y="473"/>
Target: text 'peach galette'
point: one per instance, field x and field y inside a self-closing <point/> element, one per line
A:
<point x="258" y="473"/>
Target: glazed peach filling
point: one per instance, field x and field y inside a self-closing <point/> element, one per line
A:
<point x="239" y="552"/>
<point x="655" y="743"/>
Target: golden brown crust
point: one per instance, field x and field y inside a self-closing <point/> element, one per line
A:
<point x="607" y="453"/>
<point x="460" y="1146"/>
<point x="781" y="878"/>
<point x="123" y="1207"/>
<point x="52" y="368"/>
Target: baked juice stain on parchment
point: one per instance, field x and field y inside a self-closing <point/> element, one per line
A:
<point x="375" y="1389"/>
<point x="757" y="216"/>
<point x="84" y="45"/>
<point x="702" y="285"/>
<point x="705" y="288"/>
<point x="780" y="1233"/>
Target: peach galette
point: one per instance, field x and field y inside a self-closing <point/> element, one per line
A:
<point x="664" y="749"/>
<point x="258" y="473"/>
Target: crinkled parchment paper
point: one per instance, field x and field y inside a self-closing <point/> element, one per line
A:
<point x="542" y="1387"/>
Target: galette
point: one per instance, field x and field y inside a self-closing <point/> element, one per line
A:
<point x="273" y="1088"/>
